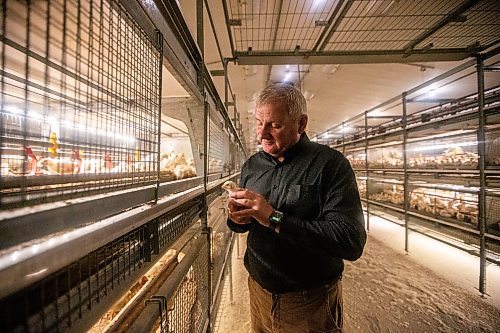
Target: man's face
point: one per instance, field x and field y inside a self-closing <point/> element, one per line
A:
<point x="276" y="132"/>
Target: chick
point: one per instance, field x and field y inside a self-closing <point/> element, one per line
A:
<point x="230" y="186"/>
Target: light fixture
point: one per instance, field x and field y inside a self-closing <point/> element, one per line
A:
<point x="445" y="146"/>
<point x="13" y="109"/>
<point x="346" y="128"/>
<point x="288" y="76"/>
<point x="375" y="112"/>
<point x="316" y="4"/>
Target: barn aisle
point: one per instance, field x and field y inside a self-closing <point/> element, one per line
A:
<point x="390" y="291"/>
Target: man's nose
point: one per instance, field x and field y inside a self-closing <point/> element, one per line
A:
<point x="262" y="132"/>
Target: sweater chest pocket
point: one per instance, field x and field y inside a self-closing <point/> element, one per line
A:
<point x="303" y="201"/>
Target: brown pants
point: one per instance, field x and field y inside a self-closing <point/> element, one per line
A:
<point x="317" y="310"/>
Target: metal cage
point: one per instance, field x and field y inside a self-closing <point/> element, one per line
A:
<point x="79" y="101"/>
<point x="63" y="300"/>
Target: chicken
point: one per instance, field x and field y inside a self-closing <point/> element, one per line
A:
<point x="53" y="166"/>
<point x="182" y="171"/>
<point x="230" y="186"/>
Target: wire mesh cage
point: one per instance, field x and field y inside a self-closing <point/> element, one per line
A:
<point x="493" y="213"/>
<point x="79" y="100"/>
<point x="390" y="157"/>
<point x="220" y="240"/>
<point x="357" y="158"/>
<point x="447" y="203"/>
<point x="188" y="307"/>
<point x="454" y="152"/>
<point x="218" y="149"/>
<point x="57" y="302"/>
<point x="492" y="150"/>
<point x="493" y="221"/>
<point x="361" y="183"/>
<point x="387" y="191"/>
<point x="177" y="221"/>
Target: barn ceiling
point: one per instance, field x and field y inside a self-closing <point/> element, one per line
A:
<point x="345" y="55"/>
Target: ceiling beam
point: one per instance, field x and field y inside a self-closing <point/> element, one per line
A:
<point x="226" y="16"/>
<point x="275" y="34"/>
<point x="352" y="57"/>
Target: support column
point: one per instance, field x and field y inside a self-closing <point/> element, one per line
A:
<point x="481" y="150"/>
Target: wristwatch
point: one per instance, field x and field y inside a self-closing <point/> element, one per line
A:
<point x="275" y="220"/>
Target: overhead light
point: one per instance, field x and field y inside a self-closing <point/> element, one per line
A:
<point x="13" y="109"/>
<point x="330" y="68"/>
<point x="445" y="146"/>
<point x="430" y="91"/>
<point x="346" y="128"/>
<point x="375" y="112"/>
<point x="316" y="4"/>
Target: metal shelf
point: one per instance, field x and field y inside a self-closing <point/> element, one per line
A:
<point x="452" y="224"/>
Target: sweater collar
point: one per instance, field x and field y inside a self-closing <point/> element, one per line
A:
<point x="293" y="151"/>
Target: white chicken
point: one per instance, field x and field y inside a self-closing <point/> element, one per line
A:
<point x="177" y="165"/>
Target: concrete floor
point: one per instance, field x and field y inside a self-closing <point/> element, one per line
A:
<point x="433" y="288"/>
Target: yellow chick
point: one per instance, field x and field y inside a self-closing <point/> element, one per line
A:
<point x="230" y="186"/>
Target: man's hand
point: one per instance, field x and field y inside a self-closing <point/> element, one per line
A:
<point x="232" y="207"/>
<point x="245" y="204"/>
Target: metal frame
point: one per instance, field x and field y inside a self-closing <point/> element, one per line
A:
<point x="355" y="31"/>
<point x="475" y="108"/>
<point x="121" y="214"/>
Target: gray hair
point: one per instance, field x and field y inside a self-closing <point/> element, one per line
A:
<point x="286" y="95"/>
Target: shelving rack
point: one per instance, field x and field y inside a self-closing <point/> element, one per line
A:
<point x="82" y="81"/>
<point x="430" y="158"/>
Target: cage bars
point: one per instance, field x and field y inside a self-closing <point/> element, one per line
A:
<point x="88" y="100"/>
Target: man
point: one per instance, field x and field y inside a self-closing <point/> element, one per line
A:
<point x="300" y="204"/>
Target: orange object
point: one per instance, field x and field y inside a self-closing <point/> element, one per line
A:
<point x="53" y="149"/>
<point x="32" y="160"/>
<point x="137" y="154"/>
<point x="75" y="157"/>
<point x="107" y="161"/>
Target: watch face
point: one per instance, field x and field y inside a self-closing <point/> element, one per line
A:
<point x="276" y="216"/>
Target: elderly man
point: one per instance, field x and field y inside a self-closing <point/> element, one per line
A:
<point x="299" y="202"/>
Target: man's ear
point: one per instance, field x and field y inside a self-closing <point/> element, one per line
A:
<point x="302" y="123"/>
